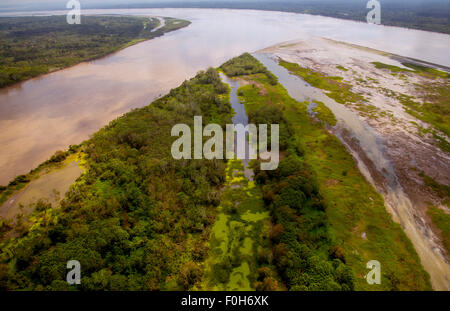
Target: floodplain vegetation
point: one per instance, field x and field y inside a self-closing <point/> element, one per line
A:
<point x="139" y="220"/>
<point x="31" y="46"/>
<point x="433" y="107"/>
<point x="136" y="219"/>
<point x="340" y="218"/>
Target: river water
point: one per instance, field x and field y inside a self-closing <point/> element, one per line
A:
<point x="48" y="113"/>
<point x="372" y="144"/>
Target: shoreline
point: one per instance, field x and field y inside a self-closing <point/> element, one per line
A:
<point x="223" y="8"/>
<point x="402" y="144"/>
<point x="154" y="32"/>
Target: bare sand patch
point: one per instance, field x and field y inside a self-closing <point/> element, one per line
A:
<point x="50" y="187"/>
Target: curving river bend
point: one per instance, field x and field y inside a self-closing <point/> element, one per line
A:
<point x="48" y="113"/>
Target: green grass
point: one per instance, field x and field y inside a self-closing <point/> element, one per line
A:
<point x="368" y="110"/>
<point x="392" y="68"/>
<point x="324" y="114"/>
<point x="427" y="70"/>
<point x="241" y="229"/>
<point x="442" y="221"/>
<point x="341" y="68"/>
<point x="336" y="89"/>
<point x="354" y="207"/>
<point x="442" y="191"/>
<point x="419" y="69"/>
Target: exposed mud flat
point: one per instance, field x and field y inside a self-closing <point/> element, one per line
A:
<point x="399" y="149"/>
<point x="49" y="187"/>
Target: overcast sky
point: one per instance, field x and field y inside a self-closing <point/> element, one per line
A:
<point x="61" y="4"/>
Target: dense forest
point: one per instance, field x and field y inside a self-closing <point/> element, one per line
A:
<point x="303" y="250"/>
<point x="137" y="219"/>
<point x="302" y="247"/>
<point x="30" y="46"/>
<point x="430" y="15"/>
<point x="325" y="217"/>
<point x="140" y="220"/>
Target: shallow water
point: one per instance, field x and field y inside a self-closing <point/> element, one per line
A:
<point x="239" y="117"/>
<point x="373" y="146"/>
<point x="50" y="187"/>
<point x="42" y="115"/>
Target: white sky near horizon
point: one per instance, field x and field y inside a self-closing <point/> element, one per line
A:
<point x="106" y="2"/>
<point x="49" y="5"/>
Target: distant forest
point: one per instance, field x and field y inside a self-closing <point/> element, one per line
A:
<point x="430" y="15"/>
<point x="30" y="46"/>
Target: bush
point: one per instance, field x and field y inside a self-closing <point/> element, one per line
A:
<point x="19" y="180"/>
<point x="275" y="233"/>
<point x="189" y="275"/>
<point x="59" y="156"/>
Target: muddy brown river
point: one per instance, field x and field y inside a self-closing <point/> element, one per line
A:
<point x="48" y="113"/>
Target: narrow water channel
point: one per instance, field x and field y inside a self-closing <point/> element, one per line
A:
<point x="372" y="144"/>
<point x="240" y="117"/>
<point x="242" y="220"/>
<point x="51" y="112"/>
